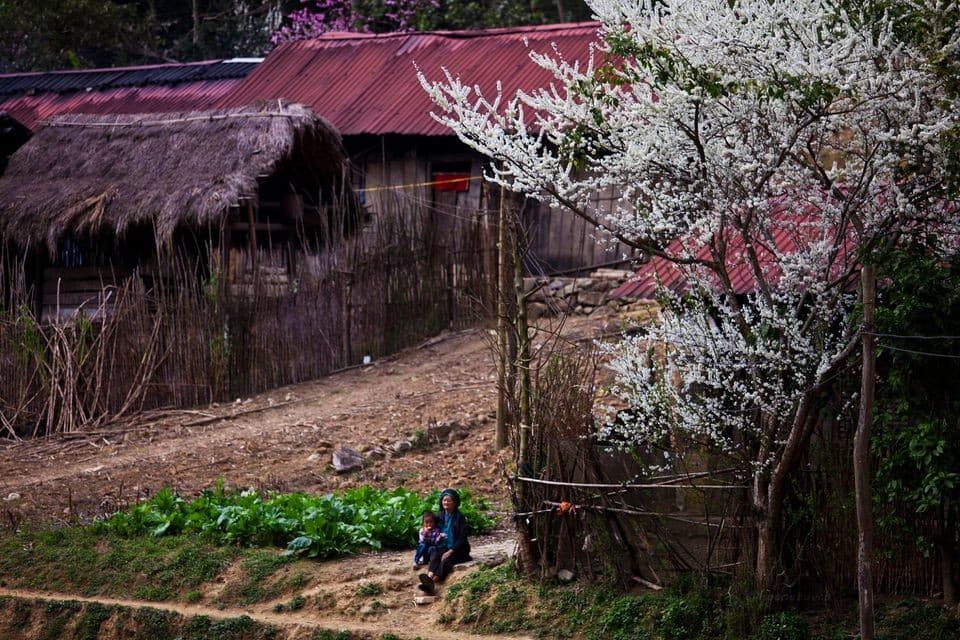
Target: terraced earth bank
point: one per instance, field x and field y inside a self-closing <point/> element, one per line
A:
<point x="422" y="419"/>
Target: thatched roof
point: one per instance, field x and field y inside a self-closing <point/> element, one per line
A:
<point x="90" y="174"/>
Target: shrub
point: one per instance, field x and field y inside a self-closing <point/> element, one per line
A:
<point x="785" y="625"/>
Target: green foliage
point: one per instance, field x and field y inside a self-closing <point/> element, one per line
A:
<point x="58" y="34"/>
<point x="692" y="608"/>
<point x="419" y="439"/>
<point x="917" y="440"/>
<point x="327" y="634"/>
<point x="317" y="526"/>
<point x="784" y="625"/>
<point x="81" y="560"/>
<point x="255" y="584"/>
<point x="238" y="628"/>
<point x="492" y="600"/>
<point x="59" y="613"/>
<point x="368" y="589"/>
<point x="152" y="623"/>
<point x="917" y="621"/>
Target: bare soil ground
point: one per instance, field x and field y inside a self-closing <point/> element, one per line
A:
<point x="283" y="440"/>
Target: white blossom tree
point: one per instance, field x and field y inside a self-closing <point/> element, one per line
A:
<point x="772" y="141"/>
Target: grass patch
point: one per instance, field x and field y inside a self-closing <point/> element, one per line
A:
<point x="327" y="634"/>
<point x="70" y="620"/>
<point x="295" y="604"/>
<point x="369" y="589"/>
<point x="257" y="582"/>
<point x="81" y="560"/>
<point x="94" y="615"/>
<point x="20" y="612"/>
<point x="490" y="601"/>
<point x="499" y="601"/>
<point x="913" y="620"/>
<point x="58" y="615"/>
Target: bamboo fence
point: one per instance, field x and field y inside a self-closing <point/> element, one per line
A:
<point x="191" y="337"/>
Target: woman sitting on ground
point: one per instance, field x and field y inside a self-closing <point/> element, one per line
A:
<point x="457" y="549"/>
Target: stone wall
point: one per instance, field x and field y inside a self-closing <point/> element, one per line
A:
<point x="584" y="295"/>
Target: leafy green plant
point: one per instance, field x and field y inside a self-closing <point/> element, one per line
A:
<point x="419" y="440"/>
<point x="317" y="526"/>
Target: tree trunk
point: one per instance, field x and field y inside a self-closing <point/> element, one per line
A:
<point x="946" y="569"/>
<point x="861" y="458"/>
<point x="948" y="556"/>
<point x="766" y="553"/>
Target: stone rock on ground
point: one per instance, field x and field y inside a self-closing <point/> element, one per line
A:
<point x="346" y="459"/>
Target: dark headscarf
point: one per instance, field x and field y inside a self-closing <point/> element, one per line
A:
<point x="453" y="494"/>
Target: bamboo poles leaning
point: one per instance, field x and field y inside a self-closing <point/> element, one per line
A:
<point x="190" y="336"/>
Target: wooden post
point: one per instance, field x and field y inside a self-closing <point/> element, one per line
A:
<point x="348" y="319"/>
<point x="523" y="340"/>
<point x="253" y="242"/>
<point x="861" y="456"/>
<point x="489" y="249"/>
<point x="501" y="296"/>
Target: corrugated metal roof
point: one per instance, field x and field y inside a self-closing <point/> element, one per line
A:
<point x="32" y="98"/>
<point x="367" y="83"/>
<point x="102" y="79"/>
<point x="789" y="232"/>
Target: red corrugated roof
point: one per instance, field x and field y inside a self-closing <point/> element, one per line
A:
<point x="32" y="98"/>
<point x="789" y="231"/>
<point x="367" y="83"/>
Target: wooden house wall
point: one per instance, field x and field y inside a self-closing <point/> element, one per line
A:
<point x="392" y="169"/>
<point x="396" y="172"/>
<point x="561" y="241"/>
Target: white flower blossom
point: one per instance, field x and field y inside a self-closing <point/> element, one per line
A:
<point x="772" y="137"/>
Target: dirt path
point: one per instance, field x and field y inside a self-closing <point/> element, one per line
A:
<point x="396" y="611"/>
<point x="281" y="440"/>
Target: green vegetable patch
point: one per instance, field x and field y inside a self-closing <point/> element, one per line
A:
<point x="168" y="548"/>
<point x="326" y="526"/>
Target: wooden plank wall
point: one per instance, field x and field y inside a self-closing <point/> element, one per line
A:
<point x="562" y="241"/>
<point x="559" y="240"/>
<point x="65" y="291"/>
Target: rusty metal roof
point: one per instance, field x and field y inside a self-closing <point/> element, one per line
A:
<point x="33" y="98"/>
<point x="787" y="234"/>
<point x="367" y="83"/>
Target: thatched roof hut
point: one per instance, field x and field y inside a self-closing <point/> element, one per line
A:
<point x="83" y="174"/>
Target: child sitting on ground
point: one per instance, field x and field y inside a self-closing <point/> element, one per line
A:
<point x="430" y="538"/>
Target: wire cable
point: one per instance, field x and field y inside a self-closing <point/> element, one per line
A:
<point x="921" y="353"/>
<point x="904" y="337"/>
